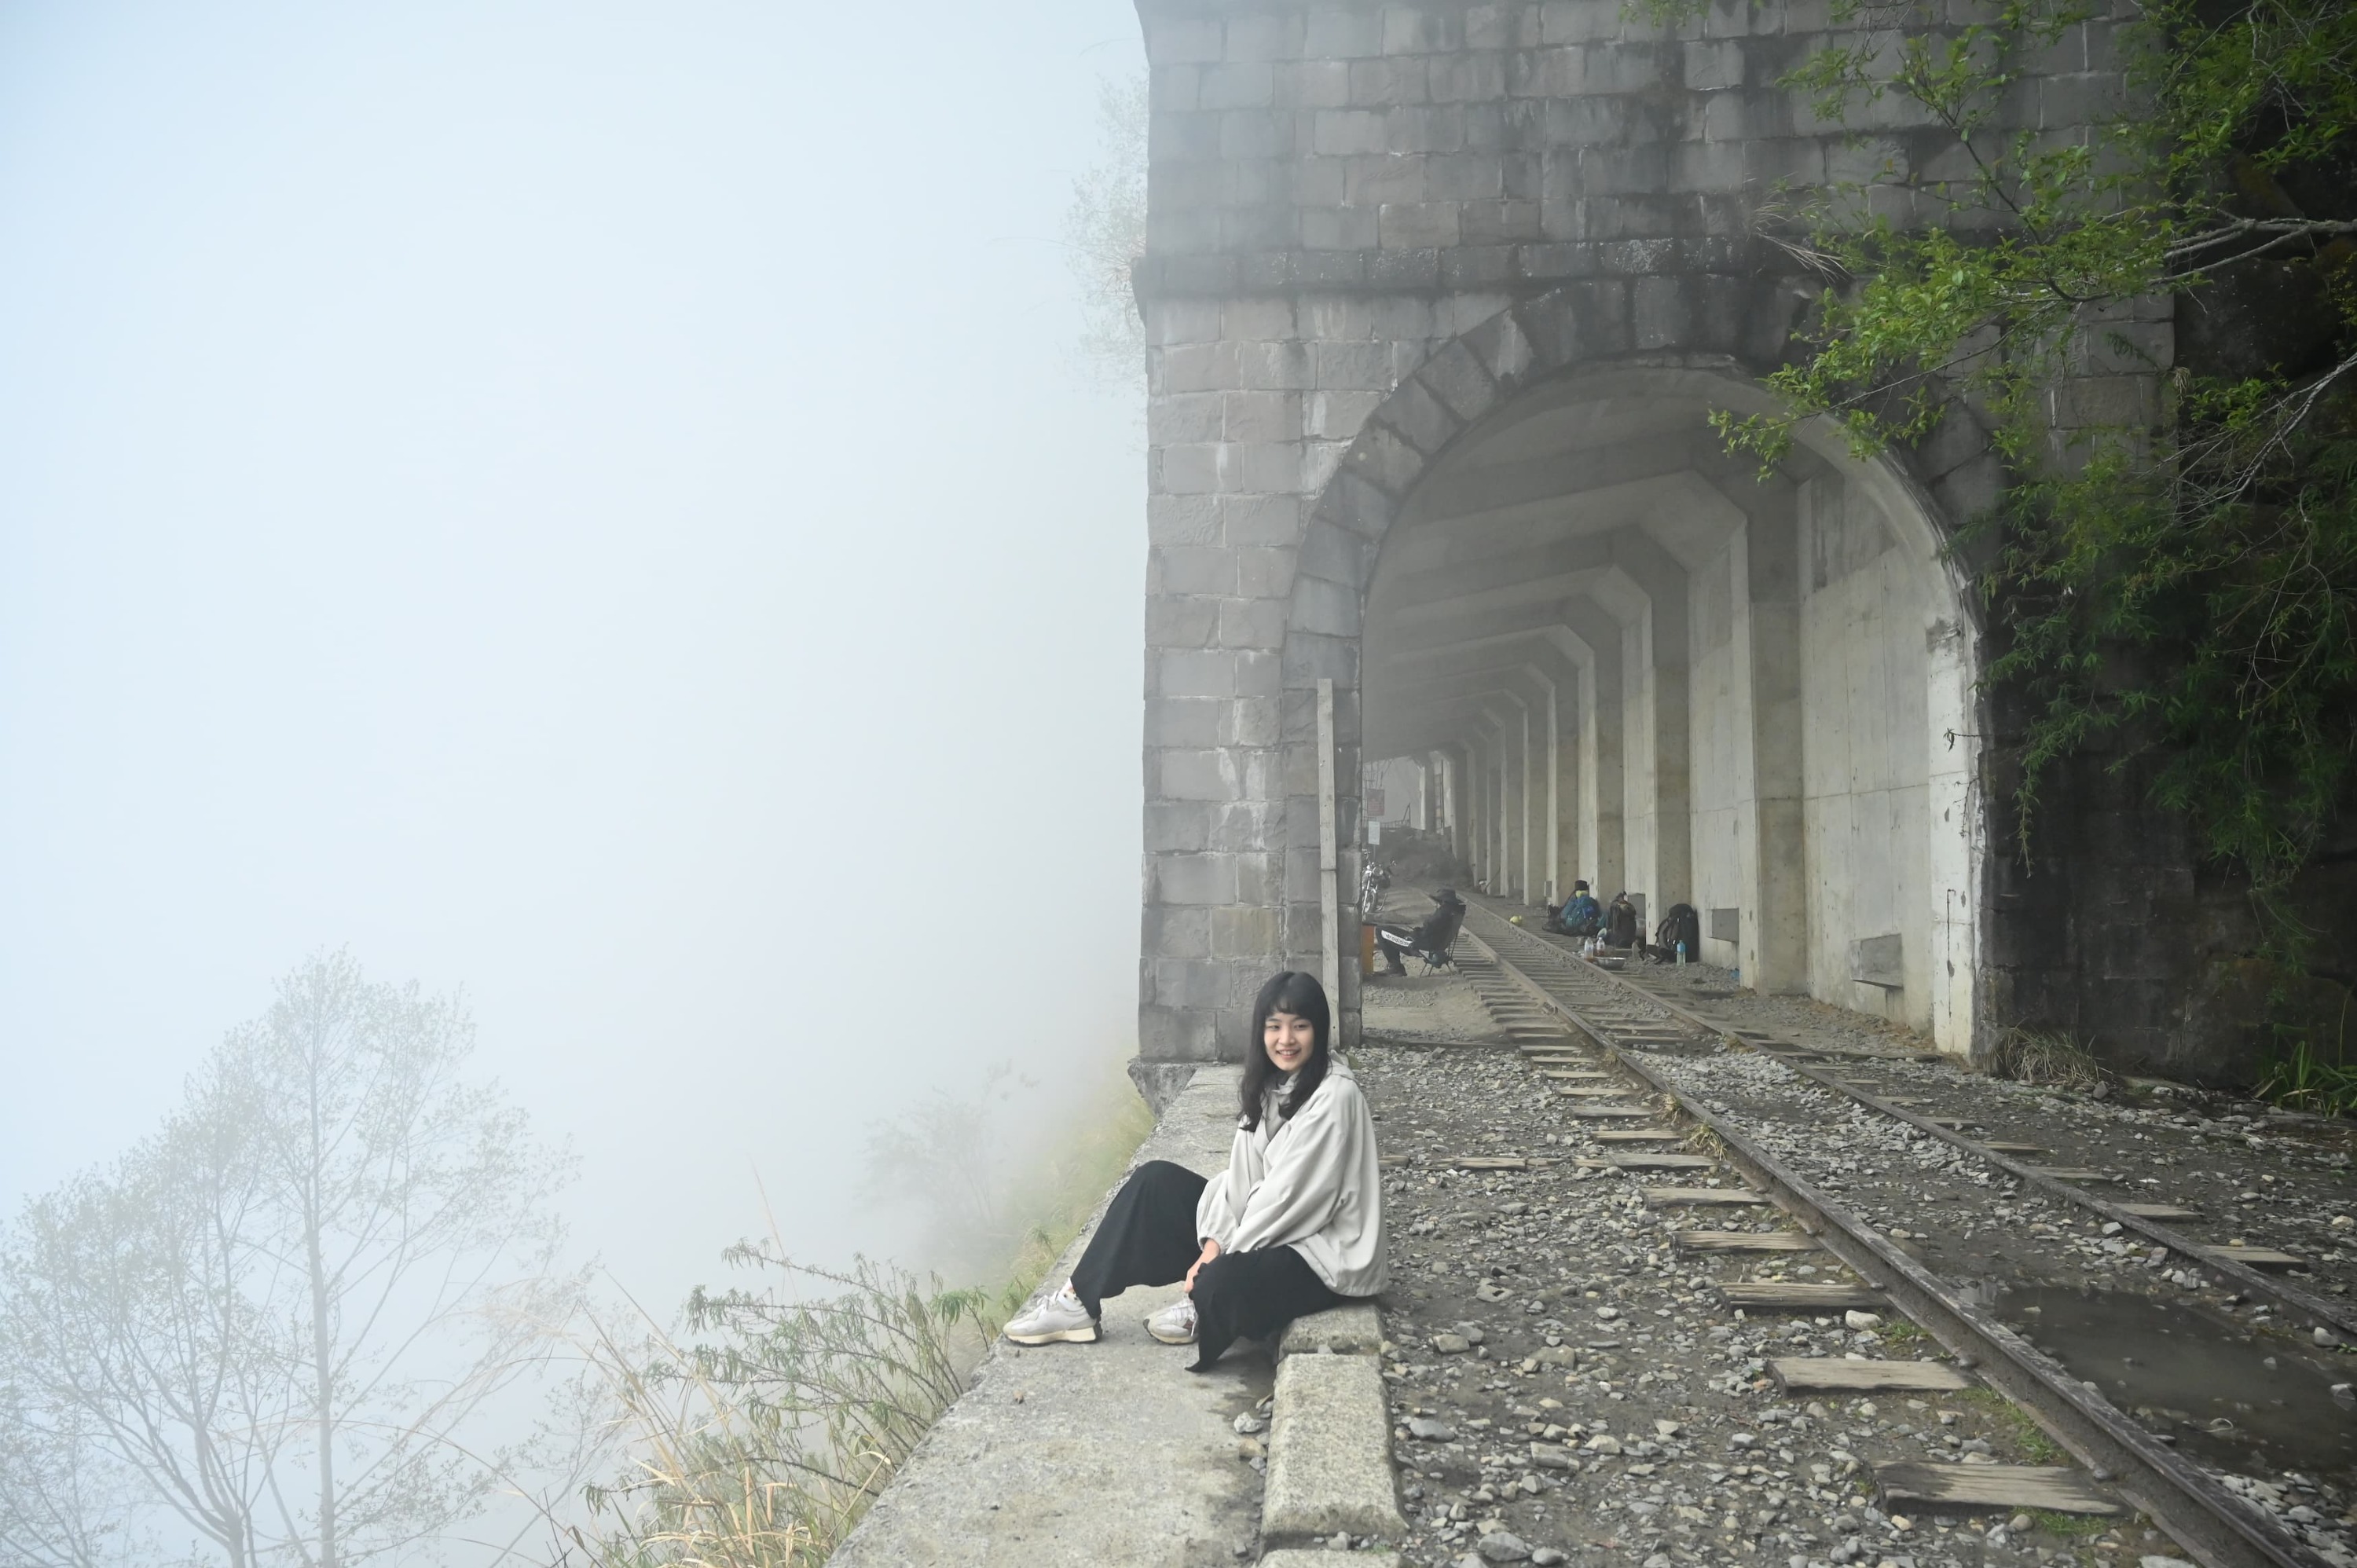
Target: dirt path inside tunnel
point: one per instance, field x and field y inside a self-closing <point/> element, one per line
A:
<point x="1568" y="1379"/>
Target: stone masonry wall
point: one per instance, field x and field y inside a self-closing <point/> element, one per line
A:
<point x="1367" y="222"/>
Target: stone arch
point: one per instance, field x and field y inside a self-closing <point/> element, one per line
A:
<point x="1802" y="824"/>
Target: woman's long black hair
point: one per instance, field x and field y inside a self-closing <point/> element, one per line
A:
<point x="1290" y="991"/>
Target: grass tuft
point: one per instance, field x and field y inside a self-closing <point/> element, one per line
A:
<point x="2304" y="1080"/>
<point x="2029" y="1056"/>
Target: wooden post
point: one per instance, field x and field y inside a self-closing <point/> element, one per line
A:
<point x="1330" y="860"/>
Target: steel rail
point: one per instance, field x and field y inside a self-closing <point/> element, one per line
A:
<point x="2319" y="1311"/>
<point x="2218" y="1528"/>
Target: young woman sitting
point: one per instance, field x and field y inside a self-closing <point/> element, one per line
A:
<point x="1295" y="1225"/>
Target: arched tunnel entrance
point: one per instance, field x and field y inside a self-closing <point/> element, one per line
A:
<point x="1615" y="652"/>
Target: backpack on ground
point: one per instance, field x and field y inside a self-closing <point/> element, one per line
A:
<point x="1682" y="924"/>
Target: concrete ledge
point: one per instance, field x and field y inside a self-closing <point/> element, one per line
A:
<point x="1082" y="1455"/>
<point x="1299" y="1557"/>
<point x="1329" y="1466"/>
<point x="1352" y="1330"/>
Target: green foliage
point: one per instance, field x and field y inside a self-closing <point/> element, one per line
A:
<point x="2302" y="1079"/>
<point x="2023" y="1433"/>
<point x="2176" y="580"/>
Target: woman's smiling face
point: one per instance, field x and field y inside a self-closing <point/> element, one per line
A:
<point x="1288" y="1038"/>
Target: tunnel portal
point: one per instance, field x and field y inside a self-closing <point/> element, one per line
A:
<point x="1438" y="298"/>
<point x="1616" y="653"/>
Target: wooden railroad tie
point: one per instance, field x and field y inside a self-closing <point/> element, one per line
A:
<point x="2056" y="1489"/>
<point x="1643" y="1135"/>
<point x="1744" y="1240"/>
<point x="2258" y="1257"/>
<point x="2060" y="1173"/>
<point x="1608" y="1112"/>
<point x="1996" y="1148"/>
<point x="1664" y="1161"/>
<point x="1813" y="1374"/>
<point x="1776" y="1293"/>
<point x="1503" y="1163"/>
<point x="1666" y="1196"/>
<point x="2160" y="1212"/>
<point x="1591" y="1091"/>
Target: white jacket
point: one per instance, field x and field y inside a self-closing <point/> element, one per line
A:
<point x="1313" y="1184"/>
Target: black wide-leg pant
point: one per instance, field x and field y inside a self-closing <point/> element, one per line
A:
<point x="1148" y="1238"/>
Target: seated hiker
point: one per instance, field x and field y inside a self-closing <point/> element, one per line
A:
<point x="1293" y="1225"/>
<point x="1432" y="940"/>
<point x="1580" y="916"/>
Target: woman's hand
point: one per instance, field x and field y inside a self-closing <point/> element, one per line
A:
<point x="1211" y="1250"/>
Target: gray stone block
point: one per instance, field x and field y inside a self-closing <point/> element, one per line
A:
<point x="1329" y="1452"/>
<point x="1159" y="1083"/>
<point x="1356" y="1329"/>
<point x="1195" y="878"/>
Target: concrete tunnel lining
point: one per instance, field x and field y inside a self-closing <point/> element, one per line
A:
<point x="1779" y="663"/>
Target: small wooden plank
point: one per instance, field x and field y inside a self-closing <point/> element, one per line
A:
<point x="1608" y="1112"/>
<point x="1665" y="1197"/>
<point x="2160" y="1212"/>
<point x="1766" y="1293"/>
<point x="2259" y="1257"/>
<point x="1995" y="1147"/>
<point x="1797" y="1373"/>
<point x="1561" y="1075"/>
<point x="2064" y="1174"/>
<point x="1643" y="1135"/>
<point x="1590" y="1092"/>
<point x="1388" y="1161"/>
<point x="2055" y="1487"/>
<point x="1744" y="1240"/>
<point x="1664" y="1161"/>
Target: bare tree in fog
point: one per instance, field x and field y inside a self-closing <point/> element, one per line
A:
<point x="944" y="1161"/>
<point x="63" y="1502"/>
<point x="1105" y="231"/>
<point x="276" y="1316"/>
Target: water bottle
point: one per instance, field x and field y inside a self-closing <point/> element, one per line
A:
<point x="1682" y="952"/>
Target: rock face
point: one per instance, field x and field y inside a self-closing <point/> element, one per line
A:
<point x="1415" y="265"/>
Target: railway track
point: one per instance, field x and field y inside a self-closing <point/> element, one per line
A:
<point x="1792" y="1124"/>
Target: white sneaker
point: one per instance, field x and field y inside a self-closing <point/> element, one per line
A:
<point x="1058" y="1317"/>
<point x="1174" y="1324"/>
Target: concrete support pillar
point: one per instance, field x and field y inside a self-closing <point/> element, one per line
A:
<point x="1479" y="809"/>
<point x="1513" y="718"/>
<point x="1775" y="922"/>
<point x="1603" y="781"/>
<point x="1452" y="800"/>
<point x="1566" y="790"/>
<point x="1957" y="839"/>
<point x="1549" y="888"/>
<point x="1656" y="643"/>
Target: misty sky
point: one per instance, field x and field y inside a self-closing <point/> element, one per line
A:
<point x="591" y="503"/>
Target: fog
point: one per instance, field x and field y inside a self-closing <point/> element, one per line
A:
<point x="595" y="505"/>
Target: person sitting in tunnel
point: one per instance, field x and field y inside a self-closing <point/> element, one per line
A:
<point x="1621" y="927"/>
<point x="1295" y="1224"/>
<point x="1429" y="942"/>
<point x="1580" y="917"/>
